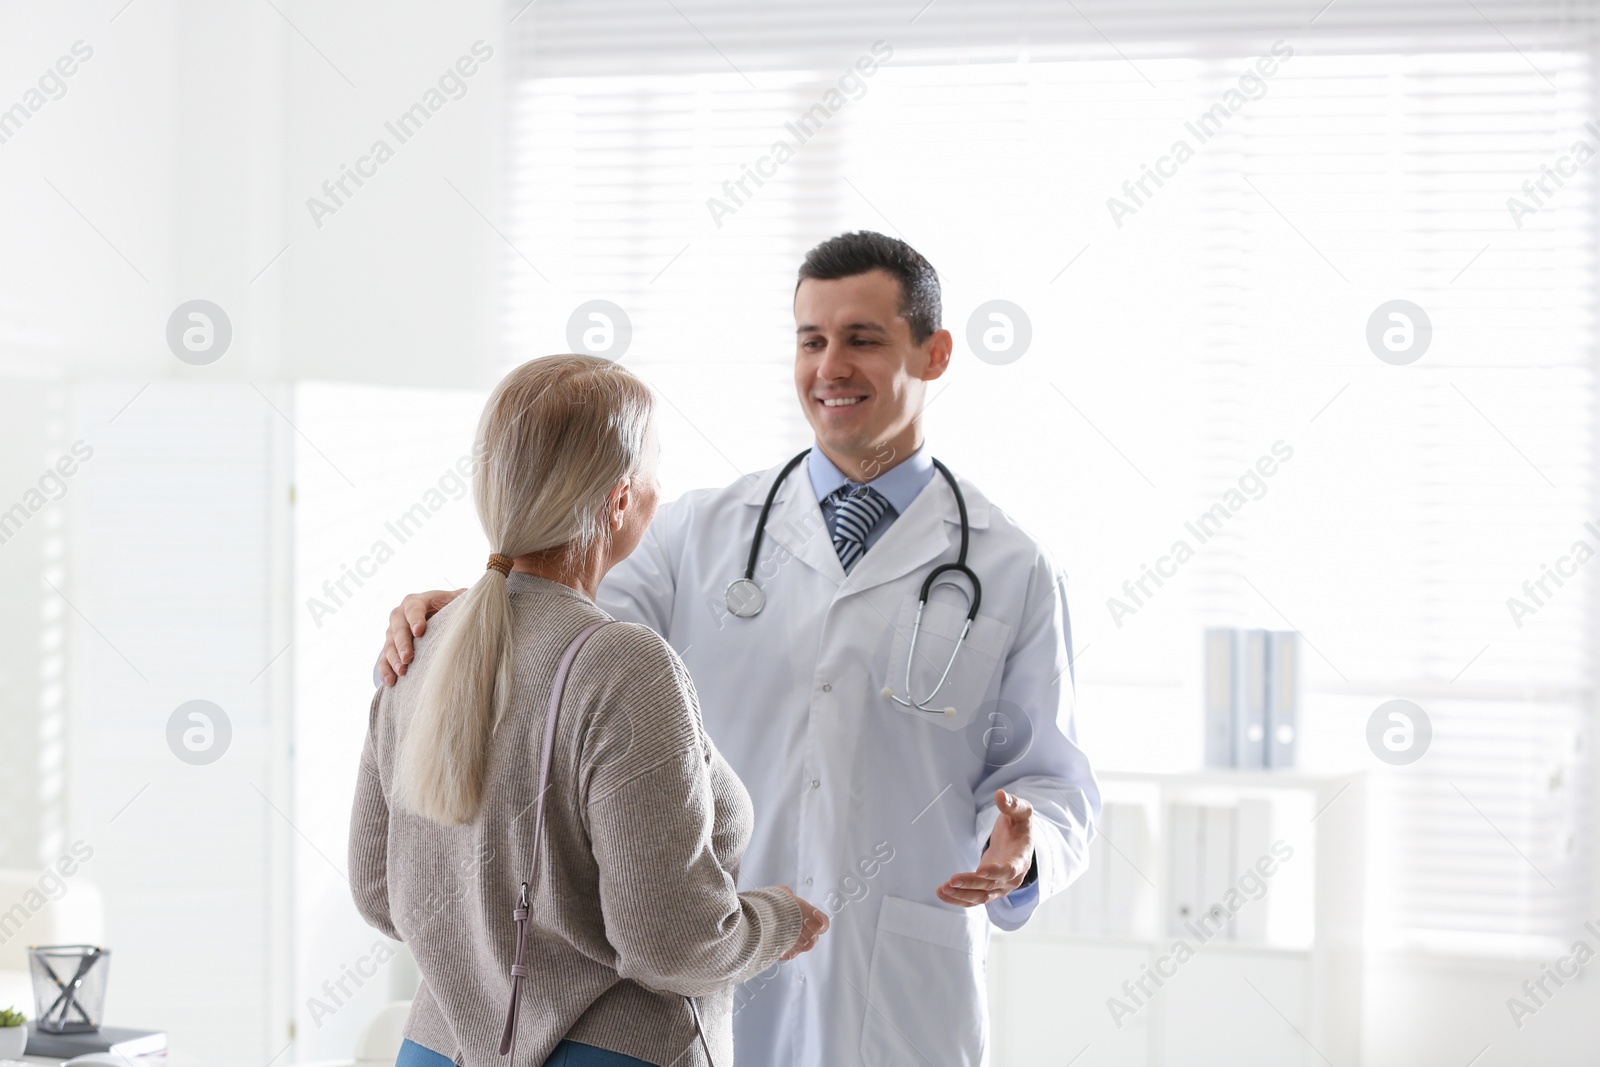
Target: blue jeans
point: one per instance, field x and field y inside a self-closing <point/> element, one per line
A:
<point x="567" y="1054"/>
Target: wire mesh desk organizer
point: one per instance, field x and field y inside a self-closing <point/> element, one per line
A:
<point x="69" y="987"/>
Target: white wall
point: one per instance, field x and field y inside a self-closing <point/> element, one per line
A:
<point x="173" y="585"/>
<point x="191" y="141"/>
<point x="1423" y="1011"/>
<point x="176" y="166"/>
<point x="31" y="653"/>
<point x="345" y="584"/>
<point x="399" y="286"/>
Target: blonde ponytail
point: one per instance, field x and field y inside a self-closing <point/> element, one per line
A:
<point x="556" y="437"/>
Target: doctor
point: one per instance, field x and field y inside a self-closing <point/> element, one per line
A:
<point x="914" y="829"/>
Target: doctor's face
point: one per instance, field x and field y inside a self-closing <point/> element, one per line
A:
<point x="860" y="377"/>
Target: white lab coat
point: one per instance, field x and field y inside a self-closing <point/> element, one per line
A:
<point x="862" y="806"/>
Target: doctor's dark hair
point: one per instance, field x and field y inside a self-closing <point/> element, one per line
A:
<point x="850" y="254"/>
<point x="558" y="438"/>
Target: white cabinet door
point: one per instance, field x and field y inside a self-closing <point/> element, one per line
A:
<point x="1047" y="1003"/>
<point x="1229" y="1009"/>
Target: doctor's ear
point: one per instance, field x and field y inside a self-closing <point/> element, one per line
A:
<point x="939" y="347"/>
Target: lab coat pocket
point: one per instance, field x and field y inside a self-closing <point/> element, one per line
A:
<point x="967" y="685"/>
<point x="926" y="990"/>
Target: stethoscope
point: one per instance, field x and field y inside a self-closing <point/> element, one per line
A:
<point x="745" y="598"/>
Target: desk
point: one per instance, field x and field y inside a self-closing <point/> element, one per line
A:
<point x="155" y="1059"/>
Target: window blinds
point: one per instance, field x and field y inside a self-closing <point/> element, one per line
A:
<point x="1179" y="331"/>
<point x="570" y="38"/>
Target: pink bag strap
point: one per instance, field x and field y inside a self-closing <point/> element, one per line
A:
<point x="519" y="968"/>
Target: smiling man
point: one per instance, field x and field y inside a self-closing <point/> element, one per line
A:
<point x="914" y="766"/>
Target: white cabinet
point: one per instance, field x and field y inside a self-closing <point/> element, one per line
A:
<point x="1047" y="1002"/>
<point x="1235" y="1009"/>
<point x="1262" y="967"/>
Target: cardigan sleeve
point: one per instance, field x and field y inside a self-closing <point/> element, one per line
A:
<point x="369" y="837"/>
<point x="671" y="906"/>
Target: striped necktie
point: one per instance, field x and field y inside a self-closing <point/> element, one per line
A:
<point x="856" y="510"/>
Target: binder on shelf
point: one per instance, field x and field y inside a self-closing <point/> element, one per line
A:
<point x="1251" y="691"/>
<point x="1111" y="898"/>
<point x="1091" y="886"/>
<point x="1183" y="867"/>
<point x="1252" y="840"/>
<point x="1062" y="914"/>
<point x="1221" y="669"/>
<point x="1216" y="870"/>
<point x="1129" y="897"/>
<point x="1250" y="707"/>
<point x="1283" y="698"/>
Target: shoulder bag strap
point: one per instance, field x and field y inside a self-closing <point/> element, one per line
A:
<point x="519" y="969"/>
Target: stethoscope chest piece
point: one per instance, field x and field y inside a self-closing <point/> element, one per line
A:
<point x="745" y="598"/>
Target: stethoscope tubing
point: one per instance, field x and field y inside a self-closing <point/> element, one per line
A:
<point x="766" y="509"/>
<point x="752" y="598"/>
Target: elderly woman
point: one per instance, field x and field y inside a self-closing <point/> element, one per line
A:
<point x="540" y="816"/>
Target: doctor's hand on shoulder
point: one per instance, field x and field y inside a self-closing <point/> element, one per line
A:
<point x="406" y="623"/>
<point x="1004" y="864"/>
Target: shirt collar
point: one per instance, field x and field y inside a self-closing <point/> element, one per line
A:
<point x="899" y="485"/>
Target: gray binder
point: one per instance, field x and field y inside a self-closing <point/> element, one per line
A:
<point x="1221" y="668"/>
<point x="1250" y="709"/>
<point x="1283" y="698"/>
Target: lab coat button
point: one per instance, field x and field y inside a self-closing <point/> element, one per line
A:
<point x="808" y="881"/>
<point x="816" y="783"/>
<point x="827" y="687"/>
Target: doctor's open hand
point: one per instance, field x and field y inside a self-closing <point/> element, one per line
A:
<point x="406" y="622"/>
<point x="813" y="924"/>
<point x="1004" y="863"/>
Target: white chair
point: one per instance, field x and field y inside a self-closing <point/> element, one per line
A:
<point x="42" y="908"/>
<point x="379" y="1044"/>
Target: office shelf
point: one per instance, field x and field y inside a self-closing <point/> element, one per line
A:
<point x="1301" y="952"/>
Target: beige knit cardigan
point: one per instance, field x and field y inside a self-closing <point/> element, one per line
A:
<point x="636" y="903"/>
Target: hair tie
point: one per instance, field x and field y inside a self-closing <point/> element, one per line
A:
<point x="500" y="563"/>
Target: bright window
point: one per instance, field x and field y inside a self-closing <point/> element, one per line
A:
<point x="1176" y="338"/>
